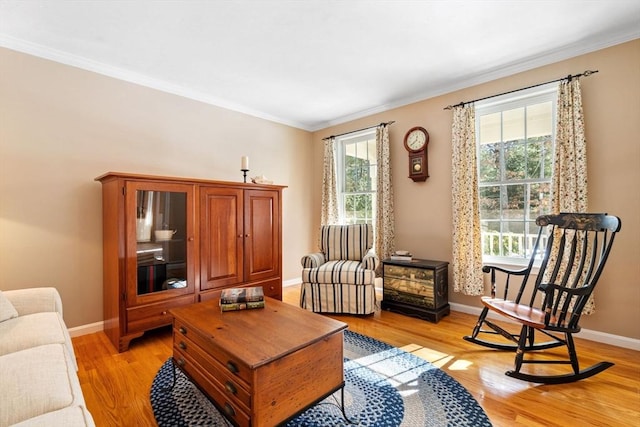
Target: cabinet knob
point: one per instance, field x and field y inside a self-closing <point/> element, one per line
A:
<point x="246" y="235"/>
<point x="190" y="239"/>
<point x="182" y="345"/>
<point x="232" y="367"/>
<point x="228" y="409"/>
<point x="183" y="330"/>
<point x="181" y="362"/>
<point x="230" y="387"/>
<point x="164" y="313"/>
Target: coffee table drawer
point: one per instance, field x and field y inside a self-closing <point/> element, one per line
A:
<point x="231" y="364"/>
<point x="232" y="386"/>
<point x="197" y="373"/>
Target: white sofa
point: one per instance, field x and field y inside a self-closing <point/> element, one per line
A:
<point x="39" y="384"/>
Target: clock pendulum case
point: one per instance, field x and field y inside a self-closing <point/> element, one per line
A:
<point x="416" y="141"/>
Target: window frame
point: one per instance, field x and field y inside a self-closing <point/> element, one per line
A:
<point x="340" y="154"/>
<point x="519" y="99"/>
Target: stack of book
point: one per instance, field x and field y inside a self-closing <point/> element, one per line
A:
<point x="401" y="256"/>
<point x="233" y="299"/>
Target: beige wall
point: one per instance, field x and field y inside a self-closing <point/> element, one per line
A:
<point x="612" y="114"/>
<point x="60" y="127"/>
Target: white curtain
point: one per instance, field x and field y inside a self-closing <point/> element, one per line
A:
<point x="329" y="213"/>
<point x="467" y="249"/>
<point x="384" y="227"/>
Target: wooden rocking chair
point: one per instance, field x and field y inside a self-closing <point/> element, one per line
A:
<point x="578" y="245"/>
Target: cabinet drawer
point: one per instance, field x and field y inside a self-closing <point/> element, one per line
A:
<point x="272" y="288"/>
<point x="197" y="373"/>
<point x="154" y="315"/>
<point x="230" y="363"/>
<point x="232" y="386"/>
<point x="409" y="273"/>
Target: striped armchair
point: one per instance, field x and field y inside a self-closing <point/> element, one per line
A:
<point x="341" y="278"/>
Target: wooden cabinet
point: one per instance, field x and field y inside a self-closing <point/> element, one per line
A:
<point x="169" y="242"/>
<point x="240" y="240"/>
<point x="416" y="288"/>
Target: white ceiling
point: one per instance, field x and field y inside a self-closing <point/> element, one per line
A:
<point x="315" y="63"/>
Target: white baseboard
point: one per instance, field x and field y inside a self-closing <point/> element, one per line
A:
<point x="291" y="282"/>
<point x="86" y="329"/>
<point x="587" y="334"/>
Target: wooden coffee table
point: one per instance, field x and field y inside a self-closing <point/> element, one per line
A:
<point x="263" y="366"/>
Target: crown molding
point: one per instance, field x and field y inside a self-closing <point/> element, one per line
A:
<point x="80" y="62"/>
<point x="567" y="52"/>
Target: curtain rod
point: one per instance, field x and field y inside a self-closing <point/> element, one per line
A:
<point x="354" y="131"/>
<point x="568" y="78"/>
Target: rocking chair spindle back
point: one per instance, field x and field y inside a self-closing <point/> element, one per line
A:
<point x="577" y="249"/>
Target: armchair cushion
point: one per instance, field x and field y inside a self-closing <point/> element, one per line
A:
<point x="344" y="272"/>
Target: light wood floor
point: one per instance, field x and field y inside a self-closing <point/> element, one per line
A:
<point x="116" y="385"/>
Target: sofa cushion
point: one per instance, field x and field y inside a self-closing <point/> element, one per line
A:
<point x="33" y="330"/>
<point x="7" y="310"/>
<point x="71" y="416"/>
<point x="36" y="381"/>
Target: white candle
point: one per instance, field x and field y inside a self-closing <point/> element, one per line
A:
<point x="244" y="165"/>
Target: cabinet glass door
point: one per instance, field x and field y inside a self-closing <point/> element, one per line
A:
<point x="160" y="240"/>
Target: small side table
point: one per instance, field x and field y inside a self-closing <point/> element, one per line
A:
<point x="417" y="288"/>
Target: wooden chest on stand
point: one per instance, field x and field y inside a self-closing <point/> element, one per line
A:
<point x="416" y="288"/>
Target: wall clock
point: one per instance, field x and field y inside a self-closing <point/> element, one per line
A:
<point x="416" y="141"/>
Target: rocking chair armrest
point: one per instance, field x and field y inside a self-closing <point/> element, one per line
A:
<point x="488" y="268"/>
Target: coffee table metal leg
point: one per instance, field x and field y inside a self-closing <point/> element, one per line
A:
<point x="343" y="409"/>
<point x="174" y="376"/>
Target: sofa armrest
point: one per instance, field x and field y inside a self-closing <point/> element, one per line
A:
<point x="313" y="260"/>
<point x="370" y="261"/>
<point x="35" y="300"/>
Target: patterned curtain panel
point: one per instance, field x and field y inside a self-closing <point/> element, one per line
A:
<point x="570" y="165"/>
<point x="384" y="227"/>
<point x="467" y="249"/>
<point x="329" y="213"/>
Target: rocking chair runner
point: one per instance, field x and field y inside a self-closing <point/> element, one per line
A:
<point x="578" y="245"/>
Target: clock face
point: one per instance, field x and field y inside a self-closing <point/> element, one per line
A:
<point x="416" y="140"/>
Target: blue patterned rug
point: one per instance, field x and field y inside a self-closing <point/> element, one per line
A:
<point x="385" y="386"/>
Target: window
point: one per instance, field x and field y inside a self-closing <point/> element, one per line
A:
<point x="357" y="175"/>
<point x="515" y="138"/>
